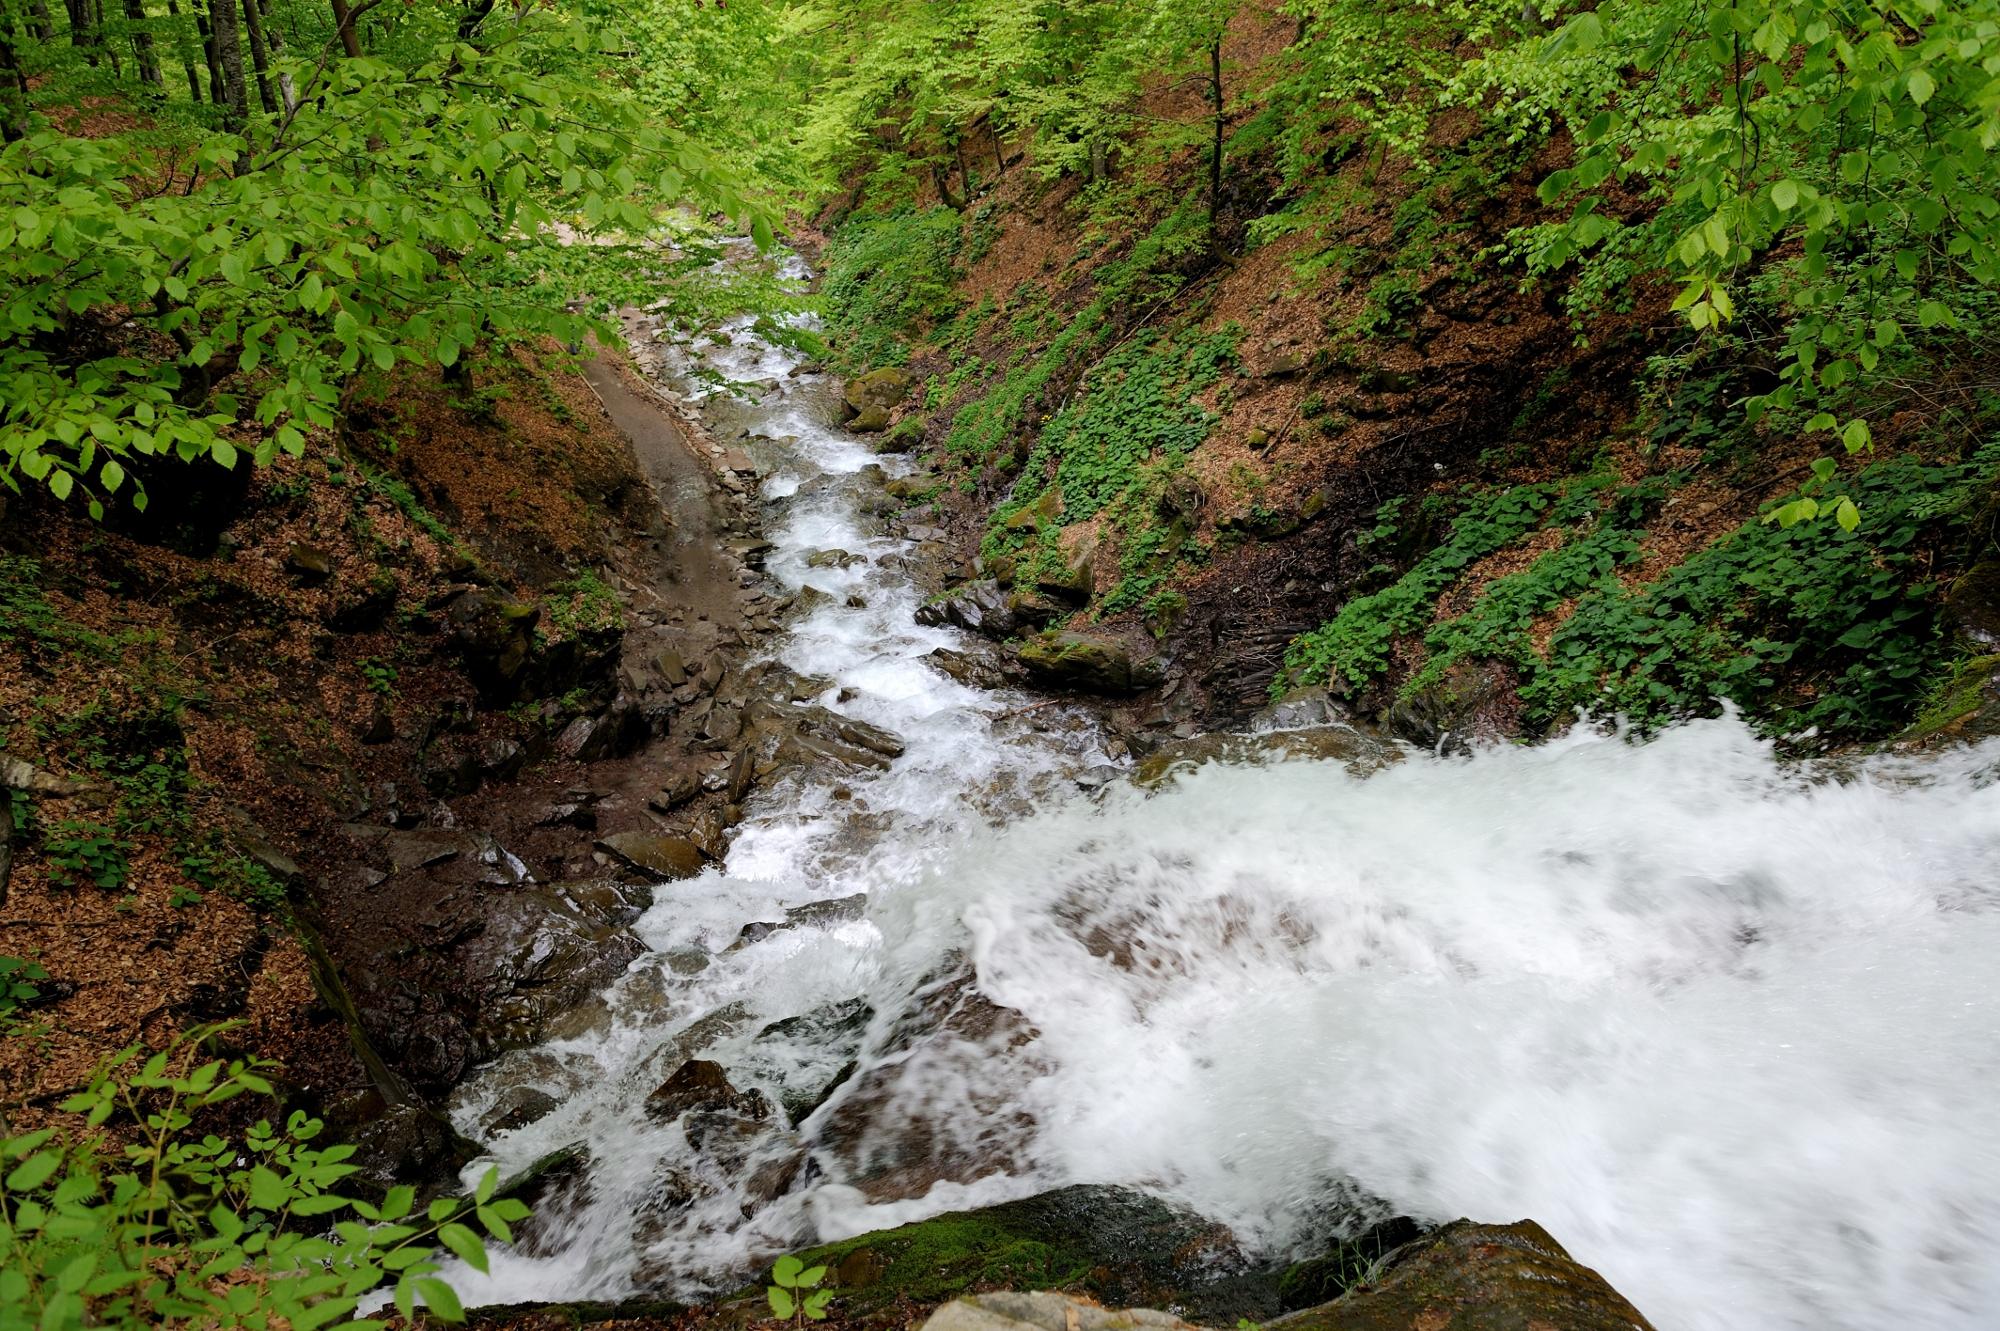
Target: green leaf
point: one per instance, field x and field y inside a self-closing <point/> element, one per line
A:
<point x="1921" y="86"/>
<point x="1846" y="514"/>
<point x="60" y="483"/>
<point x="786" y="1270"/>
<point x="810" y="1277"/>
<point x="33" y="1172"/>
<point x="466" y="1245"/>
<point x="1786" y="195"/>
<point x="781" y="1301"/>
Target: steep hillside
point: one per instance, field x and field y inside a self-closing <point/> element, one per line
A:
<point x="1354" y="443"/>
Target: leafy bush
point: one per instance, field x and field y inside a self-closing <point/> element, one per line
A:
<point x="178" y="1227"/>
<point x="887" y="279"/>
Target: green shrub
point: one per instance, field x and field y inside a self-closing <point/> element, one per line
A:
<point x="182" y="1226"/>
<point x="887" y="279"/>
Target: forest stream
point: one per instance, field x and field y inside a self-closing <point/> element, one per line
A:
<point x="1723" y="1022"/>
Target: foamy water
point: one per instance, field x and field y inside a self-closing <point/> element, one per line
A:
<point x="1726" y="1027"/>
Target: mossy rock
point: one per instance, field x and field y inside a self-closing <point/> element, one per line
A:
<point x="1093" y="662"/>
<point x="1963" y="708"/>
<point x="1467" y="1277"/>
<point x="1117" y="1245"/>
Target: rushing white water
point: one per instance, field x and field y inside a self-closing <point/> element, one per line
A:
<point x="1726" y="1027"/>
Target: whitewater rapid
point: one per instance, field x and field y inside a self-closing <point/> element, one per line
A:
<point x="1725" y="1026"/>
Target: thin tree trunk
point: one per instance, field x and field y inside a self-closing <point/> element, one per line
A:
<point x="287" y="92"/>
<point x="999" y="156"/>
<point x="110" y="51"/>
<point x="209" y="54"/>
<point x="964" y="172"/>
<point x="1100" y="167"/>
<point x="1215" y="146"/>
<point x="142" y="44"/>
<point x="260" y="60"/>
<point x="229" y="59"/>
<point x="186" y="53"/>
<point x="13" y="90"/>
<point x="39" y="22"/>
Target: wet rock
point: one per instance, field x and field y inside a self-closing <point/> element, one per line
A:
<point x="833" y="559"/>
<point x="404" y="1144"/>
<point x="812" y="915"/>
<point x="1346" y="1263"/>
<point x="978" y="607"/>
<point x="979" y="670"/>
<point x="494" y="633"/>
<point x="869" y="420"/>
<point x="1302" y="709"/>
<point x="668" y="857"/>
<point x="554" y="1188"/>
<point x="881" y="389"/>
<point x="616" y="731"/>
<point x="607" y="899"/>
<point x="501" y="759"/>
<point x="682" y="784"/>
<point x="516" y="1109"/>
<point x="1468" y="1277"/>
<point x="1474" y="703"/>
<point x="1362" y="751"/>
<point x="1093" y="662"/>
<point x="1033" y="610"/>
<point x="536" y="957"/>
<point x="1972" y="606"/>
<point x="917" y="485"/>
<point x="700" y="1086"/>
<point x="448" y="770"/>
<point x="810" y="1056"/>
<point x="308" y="563"/>
<point x="1115" y="1244"/>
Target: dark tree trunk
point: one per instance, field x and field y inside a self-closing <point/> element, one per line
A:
<point x="964" y="172"/>
<point x="229" y="60"/>
<point x="39" y="22"/>
<point x="83" y="28"/>
<point x="13" y="89"/>
<point x="1215" y="145"/>
<point x="941" y="177"/>
<point x="209" y="55"/>
<point x="260" y="60"/>
<point x="999" y="154"/>
<point x="142" y="44"/>
<point x="186" y="52"/>
<point x="287" y="93"/>
<point x="343" y="22"/>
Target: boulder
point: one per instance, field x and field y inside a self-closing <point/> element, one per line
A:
<point x="1095" y="663"/>
<point x="1468" y="1277"/>
<point x="495" y="634"/>
<point x="978" y="607"/>
<point x="668" y="857"/>
<point x="985" y="669"/>
<point x="1115" y="1244"/>
<point x="882" y="388"/>
<point x="869" y="420"/>
<point x="308" y="563"/>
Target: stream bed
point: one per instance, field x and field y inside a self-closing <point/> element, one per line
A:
<point x="1726" y="1026"/>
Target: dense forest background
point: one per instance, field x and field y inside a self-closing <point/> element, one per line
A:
<point x="1484" y="362"/>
